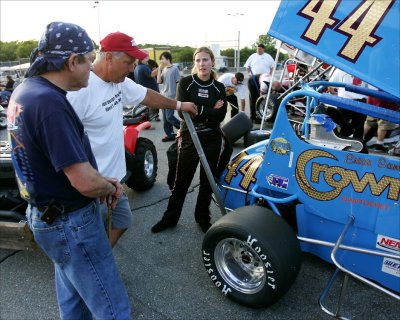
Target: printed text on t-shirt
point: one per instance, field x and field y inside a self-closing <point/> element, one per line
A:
<point x="111" y="103"/>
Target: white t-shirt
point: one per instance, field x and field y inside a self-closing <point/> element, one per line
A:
<point x="260" y="63"/>
<point x="265" y="77"/>
<point x="230" y="87"/>
<point x="341" y="76"/>
<point x="100" y="107"/>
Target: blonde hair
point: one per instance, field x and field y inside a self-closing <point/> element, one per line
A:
<point x="209" y="51"/>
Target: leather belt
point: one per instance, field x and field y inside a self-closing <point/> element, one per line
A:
<point x="65" y="208"/>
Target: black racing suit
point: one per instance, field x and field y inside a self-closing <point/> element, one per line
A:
<point x="207" y="123"/>
<point x="232" y="99"/>
<point x="254" y="94"/>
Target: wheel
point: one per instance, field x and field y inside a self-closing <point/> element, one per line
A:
<point x="10" y="216"/>
<point x="255" y="136"/>
<point x="12" y="206"/>
<point x="144" y="167"/>
<point x="252" y="255"/>
<point x="272" y="107"/>
<point x="3" y="122"/>
<point x="235" y="128"/>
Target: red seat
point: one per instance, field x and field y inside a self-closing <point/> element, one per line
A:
<point x="291" y="68"/>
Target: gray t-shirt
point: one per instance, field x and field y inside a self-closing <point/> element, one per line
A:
<point x="169" y="78"/>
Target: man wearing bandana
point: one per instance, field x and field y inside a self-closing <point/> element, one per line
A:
<point x="57" y="175"/>
<point x="100" y="107"/>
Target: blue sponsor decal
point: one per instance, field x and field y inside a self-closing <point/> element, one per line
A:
<point x="278" y="181"/>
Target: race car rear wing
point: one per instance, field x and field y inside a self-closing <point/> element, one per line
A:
<point x="360" y="37"/>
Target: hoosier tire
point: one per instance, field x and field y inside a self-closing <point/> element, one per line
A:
<point x="144" y="169"/>
<point x="252" y="256"/>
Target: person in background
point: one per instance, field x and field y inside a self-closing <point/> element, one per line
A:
<point x="208" y="94"/>
<point x="131" y="74"/>
<point x="146" y="76"/>
<point x="234" y="84"/>
<point x="258" y="63"/>
<point x="354" y="120"/>
<point x="8" y="89"/>
<point x="265" y="82"/>
<point x="57" y="174"/>
<point x="382" y="126"/>
<point x="100" y="107"/>
<point x="153" y="65"/>
<point x="168" y="75"/>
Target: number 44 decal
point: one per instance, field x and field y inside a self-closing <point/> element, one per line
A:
<point x="359" y="26"/>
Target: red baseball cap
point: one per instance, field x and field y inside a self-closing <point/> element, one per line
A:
<point x="118" y="41"/>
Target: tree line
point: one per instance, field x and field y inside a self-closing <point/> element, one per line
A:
<point x="21" y="50"/>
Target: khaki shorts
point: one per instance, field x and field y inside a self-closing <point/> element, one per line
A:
<point x="381" y="124"/>
<point x="121" y="214"/>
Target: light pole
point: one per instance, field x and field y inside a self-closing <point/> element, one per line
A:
<point x="96" y="5"/>
<point x="237" y="58"/>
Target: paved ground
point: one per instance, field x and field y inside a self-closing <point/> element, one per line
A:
<point x="165" y="276"/>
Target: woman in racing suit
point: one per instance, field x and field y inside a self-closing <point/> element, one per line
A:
<point x="208" y="94"/>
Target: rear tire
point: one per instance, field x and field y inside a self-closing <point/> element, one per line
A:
<point x="144" y="168"/>
<point x="238" y="126"/>
<point x="252" y="256"/>
<point x="255" y="136"/>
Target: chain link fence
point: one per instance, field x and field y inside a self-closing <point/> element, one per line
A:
<point x="13" y="63"/>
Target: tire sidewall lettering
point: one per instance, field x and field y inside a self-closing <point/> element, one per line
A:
<point x="252" y="242"/>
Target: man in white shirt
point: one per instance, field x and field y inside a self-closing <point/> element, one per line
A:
<point x="234" y="84"/>
<point x="355" y="120"/>
<point x="100" y="108"/>
<point x="257" y="64"/>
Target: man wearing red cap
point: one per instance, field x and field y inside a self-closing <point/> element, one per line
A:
<point x="100" y="107"/>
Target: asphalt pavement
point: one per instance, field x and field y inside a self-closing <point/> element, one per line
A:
<point x="165" y="276"/>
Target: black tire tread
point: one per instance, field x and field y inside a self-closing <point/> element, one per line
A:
<point x="138" y="180"/>
<point x="274" y="235"/>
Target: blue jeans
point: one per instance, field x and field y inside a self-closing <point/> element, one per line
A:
<point x="87" y="280"/>
<point x="170" y="121"/>
<point x="5" y="95"/>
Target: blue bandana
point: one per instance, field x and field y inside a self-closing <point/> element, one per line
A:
<point x="59" y="41"/>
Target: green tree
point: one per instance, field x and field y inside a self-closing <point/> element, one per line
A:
<point x="269" y="43"/>
<point x="245" y="53"/>
<point x="25" y="48"/>
<point x="266" y="40"/>
<point x="8" y="51"/>
<point x="183" y="54"/>
<point x="230" y="53"/>
<point x="14" y="50"/>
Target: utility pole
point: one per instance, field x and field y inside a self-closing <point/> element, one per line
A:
<point x="237" y="60"/>
<point x="96" y="5"/>
<point x="238" y="53"/>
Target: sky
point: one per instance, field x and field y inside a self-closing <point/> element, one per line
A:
<point x="191" y="23"/>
